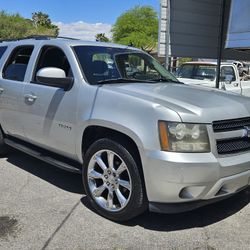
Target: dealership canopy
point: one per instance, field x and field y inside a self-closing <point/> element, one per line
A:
<point x="205" y="29"/>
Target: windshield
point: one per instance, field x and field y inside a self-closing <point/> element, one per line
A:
<point x="110" y="65"/>
<point x="195" y="71"/>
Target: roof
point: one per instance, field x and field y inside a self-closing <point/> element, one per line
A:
<point x="60" y="40"/>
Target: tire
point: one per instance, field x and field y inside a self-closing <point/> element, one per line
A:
<point x="116" y="193"/>
<point x="4" y="149"/>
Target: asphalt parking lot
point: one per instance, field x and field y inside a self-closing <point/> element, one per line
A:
<point x="42" y="207"/>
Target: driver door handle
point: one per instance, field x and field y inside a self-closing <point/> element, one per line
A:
<point x="30" y="98"/>
<point x="1" y="90"/>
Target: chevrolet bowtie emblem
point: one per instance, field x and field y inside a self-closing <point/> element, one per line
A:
<point x="246" y="131"/>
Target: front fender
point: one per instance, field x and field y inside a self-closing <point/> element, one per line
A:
<point x="135" y="117"/>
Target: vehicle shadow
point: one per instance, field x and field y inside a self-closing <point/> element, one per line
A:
<point x="62" y="179"/>
<point x="201" y="217"/>
<point x="157" y="222"/>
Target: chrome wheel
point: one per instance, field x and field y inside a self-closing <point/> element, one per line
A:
<point x="109" y="180"/>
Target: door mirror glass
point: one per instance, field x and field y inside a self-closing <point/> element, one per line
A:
<point x="54" y="77"/>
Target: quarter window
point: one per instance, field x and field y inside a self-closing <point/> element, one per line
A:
<point x="16" y="66"/>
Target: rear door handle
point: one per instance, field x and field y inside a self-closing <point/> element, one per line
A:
<point x="30" y="98"/>
<point x="1" y="90"/>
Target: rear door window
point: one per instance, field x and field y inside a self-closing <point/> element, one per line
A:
<point x="16" y="66"/>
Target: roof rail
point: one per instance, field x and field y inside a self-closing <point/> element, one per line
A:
<point x="37" y="37"/>
<point x="45" y="37"/>
<point x="65" y="37"/>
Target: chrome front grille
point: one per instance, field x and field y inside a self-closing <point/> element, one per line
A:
<point x="230" y="137"/>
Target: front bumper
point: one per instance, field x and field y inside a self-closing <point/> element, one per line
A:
<point x="173" y="208"/>
<point x="195" y="177"/>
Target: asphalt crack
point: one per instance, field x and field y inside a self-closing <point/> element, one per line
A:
<point x="206" y="233"/>
<point x="60" y="226"/>
<point x="24" y="185"/>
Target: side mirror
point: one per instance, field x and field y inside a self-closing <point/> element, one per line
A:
<point x="54" y="77"/>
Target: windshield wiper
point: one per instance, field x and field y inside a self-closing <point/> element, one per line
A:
<point x="123" y="80"/>
<point x="164" y="80"/>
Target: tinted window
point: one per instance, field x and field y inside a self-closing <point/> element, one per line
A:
<point x="2" y="50"/>
<point x="16" y="66"/>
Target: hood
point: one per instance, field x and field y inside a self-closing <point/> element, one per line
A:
<point x="192" y="103"/>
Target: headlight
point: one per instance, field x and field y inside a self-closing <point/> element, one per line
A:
<point x="183" y="137"/>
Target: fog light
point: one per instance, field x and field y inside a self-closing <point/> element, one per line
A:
<point x="191" y="192"/>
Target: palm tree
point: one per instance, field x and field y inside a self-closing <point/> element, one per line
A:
<point x="101" y="37"/>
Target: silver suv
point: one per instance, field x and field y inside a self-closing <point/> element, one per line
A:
<point x="140" y="138"/>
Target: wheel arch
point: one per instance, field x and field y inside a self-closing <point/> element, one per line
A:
<point x="94" y="132"/>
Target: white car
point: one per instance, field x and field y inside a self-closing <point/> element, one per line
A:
<point x="204" y="74"/>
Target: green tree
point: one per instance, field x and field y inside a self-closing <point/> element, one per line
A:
<point x="137" y="27"/>
<point x="101" y="37"/>
<point x="184" y="60"/>
<point x="14" y="25"/>
<point x="41" y="19"/>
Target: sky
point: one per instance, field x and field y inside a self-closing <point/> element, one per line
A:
<point x="77" y="18"/>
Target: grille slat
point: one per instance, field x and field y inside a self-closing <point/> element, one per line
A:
<point x="232" y="145"/>
<point x="229" y="125"/>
